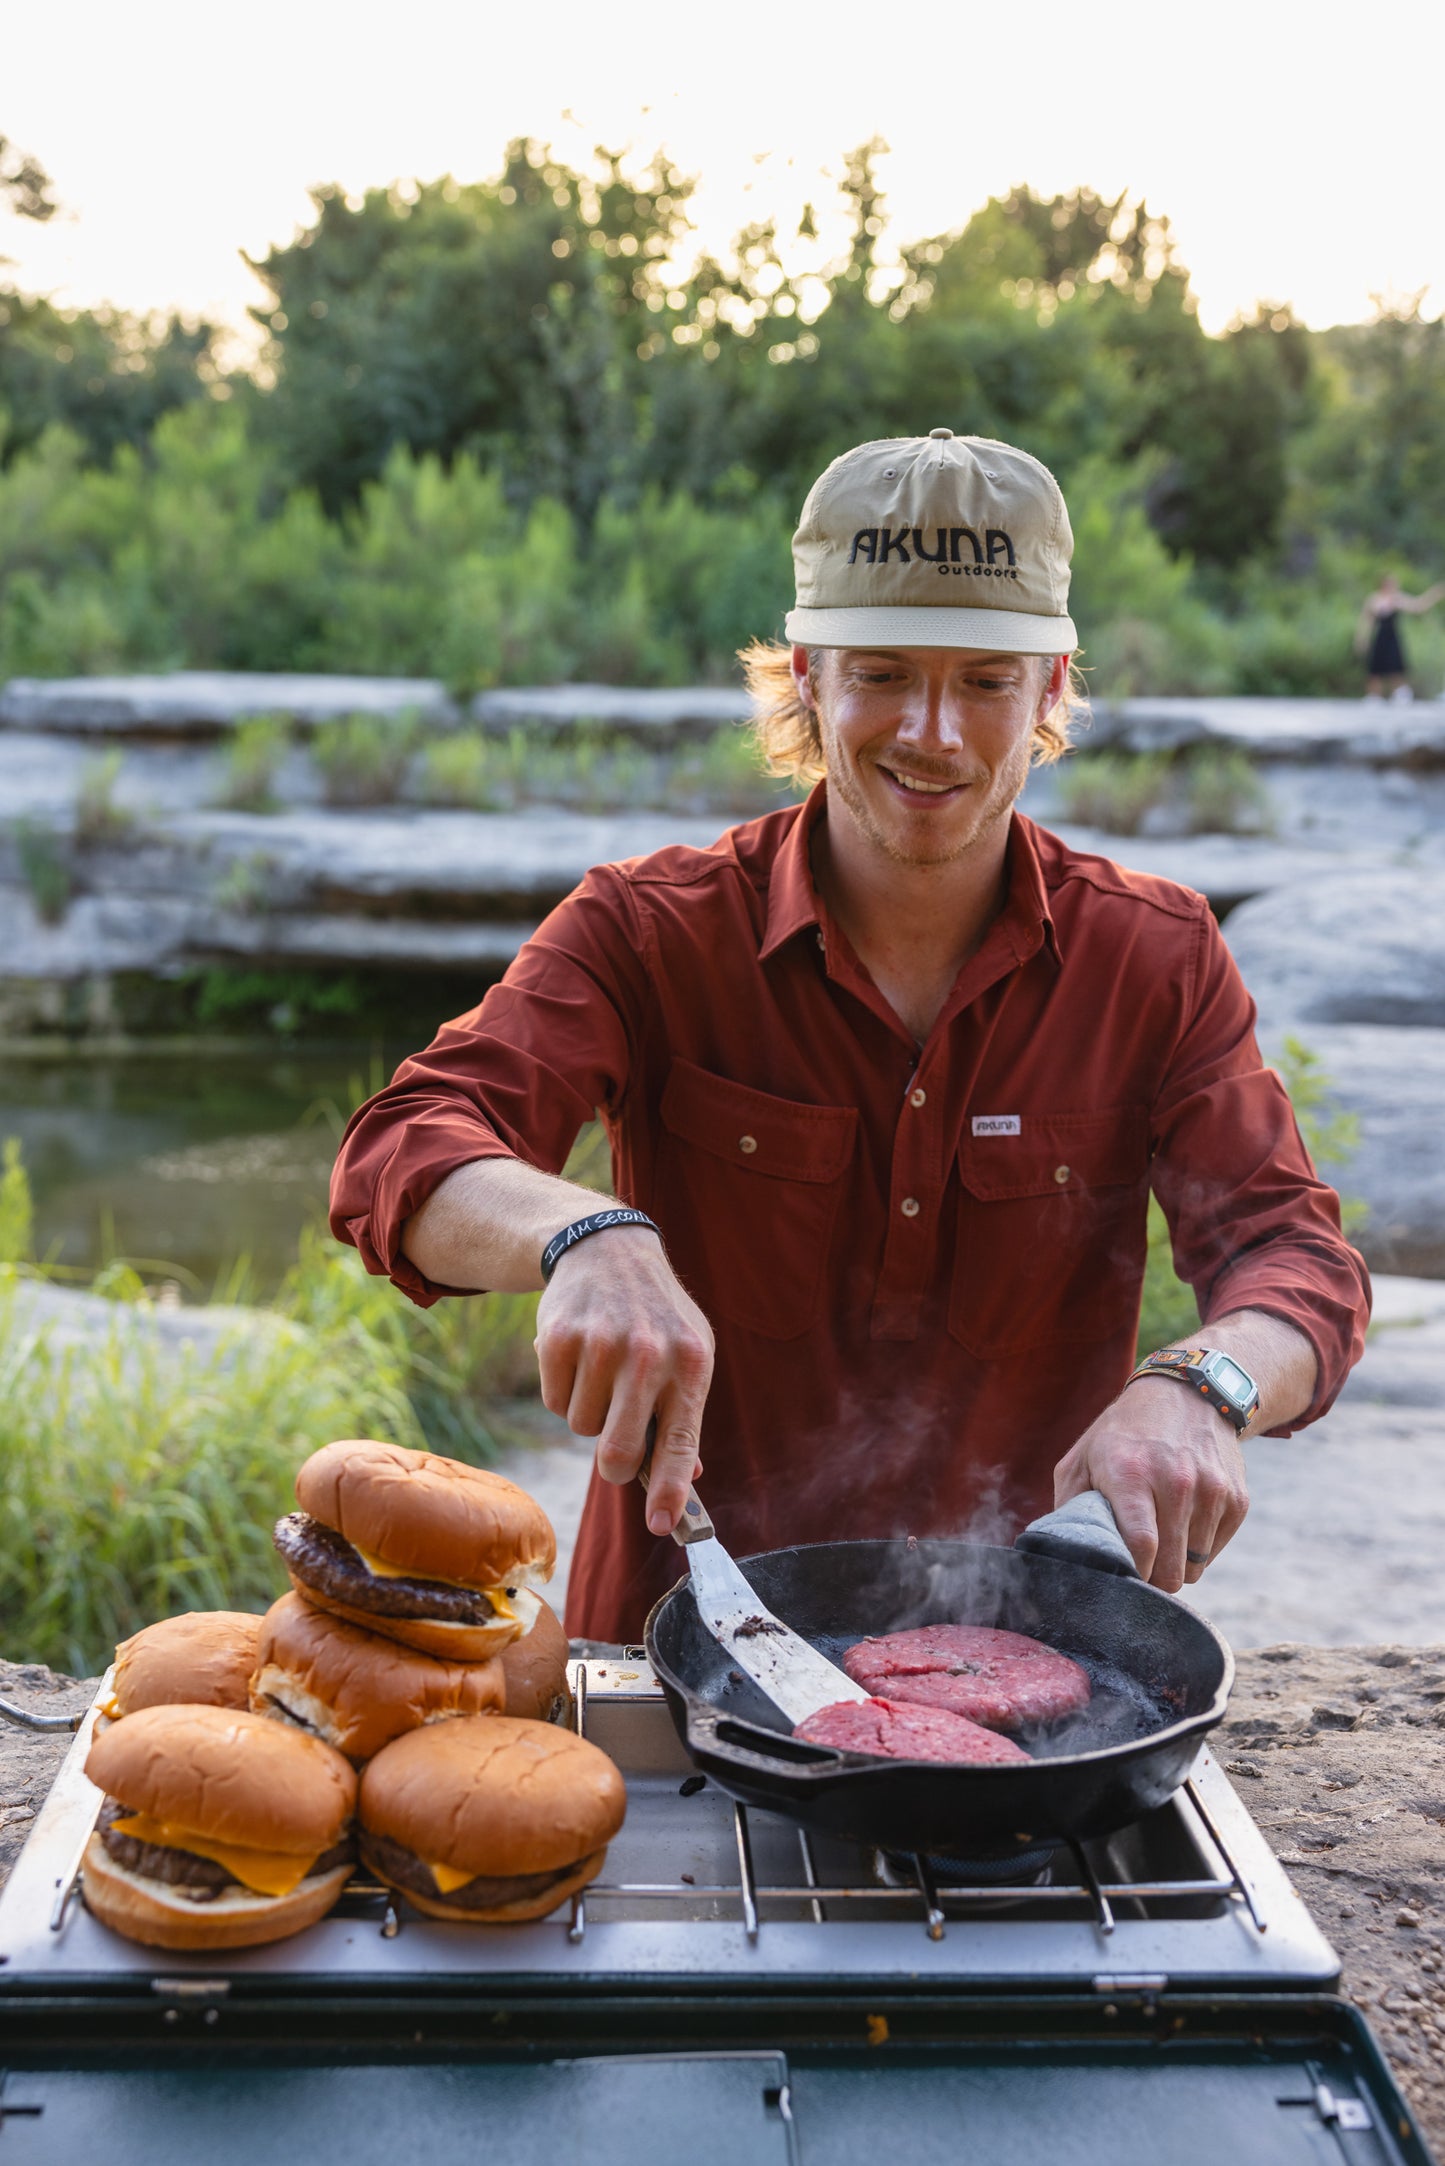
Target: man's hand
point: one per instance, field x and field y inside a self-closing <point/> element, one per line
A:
<point x="618" y="1340"/>
<point x="1171" y="1466"/>
<point x="1172" y="1469"/>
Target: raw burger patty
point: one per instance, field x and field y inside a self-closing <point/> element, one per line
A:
<point x="1001" y="1679"/>
<point x="891" y="1731"/>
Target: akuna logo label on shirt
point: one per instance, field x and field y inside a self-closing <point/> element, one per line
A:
<point x="997" y="1124"/>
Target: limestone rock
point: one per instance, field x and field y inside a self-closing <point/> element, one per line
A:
<point x="1394" y="1082"/>
<point x="1356" y="947"/>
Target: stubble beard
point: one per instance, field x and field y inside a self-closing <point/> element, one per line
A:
<point x="845" y="785"/>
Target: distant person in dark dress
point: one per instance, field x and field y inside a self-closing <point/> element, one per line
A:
<point x="1377" y="636"/>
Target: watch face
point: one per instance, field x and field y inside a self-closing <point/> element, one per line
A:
<point x="1229" y="1378"/>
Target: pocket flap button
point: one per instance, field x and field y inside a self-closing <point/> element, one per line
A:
<point x="748" y="1144"/>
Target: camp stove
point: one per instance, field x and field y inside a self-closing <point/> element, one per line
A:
<point x="731" y="1985"/>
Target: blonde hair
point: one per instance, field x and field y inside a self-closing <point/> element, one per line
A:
<point x="787" y="732"/>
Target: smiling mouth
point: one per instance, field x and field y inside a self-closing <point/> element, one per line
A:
<point x="916" y="786"/>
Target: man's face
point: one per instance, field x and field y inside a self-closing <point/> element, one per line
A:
<point x="927" y="748"/>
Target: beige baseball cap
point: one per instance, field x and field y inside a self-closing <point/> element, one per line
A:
<point x="934" y="541"/>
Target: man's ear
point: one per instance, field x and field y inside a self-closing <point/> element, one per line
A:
<point x="802" y="680"/>
<point x="1054" y="683"/>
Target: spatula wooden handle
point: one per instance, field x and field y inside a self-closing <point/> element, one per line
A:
<point x="694" y="1525"/>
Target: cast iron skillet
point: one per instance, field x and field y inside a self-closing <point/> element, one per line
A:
<point x="1161" y="1675"/>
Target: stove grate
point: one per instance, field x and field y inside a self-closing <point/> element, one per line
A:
<point x="824" y="1901"/>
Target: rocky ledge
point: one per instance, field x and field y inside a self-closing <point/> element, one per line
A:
<point x="1338" y="1752"/>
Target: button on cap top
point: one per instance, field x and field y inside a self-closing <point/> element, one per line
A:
<point x="940" y="432"/>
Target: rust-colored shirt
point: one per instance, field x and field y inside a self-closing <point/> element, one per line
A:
<point x="922" y="1265"/>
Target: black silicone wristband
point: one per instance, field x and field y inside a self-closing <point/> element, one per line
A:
<point x="581" y="1229"/>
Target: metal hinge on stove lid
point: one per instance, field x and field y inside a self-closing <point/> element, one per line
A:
<point x="1341" y="2113"/>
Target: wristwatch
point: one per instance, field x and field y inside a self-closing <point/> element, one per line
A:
<point x="1219" y="1378"/>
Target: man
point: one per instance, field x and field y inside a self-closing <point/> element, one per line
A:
<point x="891" y="1074"/>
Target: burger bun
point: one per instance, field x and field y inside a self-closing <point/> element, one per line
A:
<point x="200" y="1658"/>
<point x="430" y="1517"/>
<point x="357" y="1689"/>
<point x="164" y="1917"/>
<point x="228" y="1777"/>
<point x="535" y="1668"/>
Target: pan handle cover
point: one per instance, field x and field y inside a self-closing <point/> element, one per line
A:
<point x="1083" y="1531"/>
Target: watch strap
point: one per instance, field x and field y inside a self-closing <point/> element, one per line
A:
<point x="1184" y="1364"/>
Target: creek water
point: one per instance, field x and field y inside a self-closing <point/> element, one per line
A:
<point x="187" y="1160"/>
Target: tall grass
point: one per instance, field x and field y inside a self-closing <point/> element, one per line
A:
<point x="136" y="1480"/>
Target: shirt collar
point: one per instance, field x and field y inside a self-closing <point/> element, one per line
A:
<point x="795" y="906"/>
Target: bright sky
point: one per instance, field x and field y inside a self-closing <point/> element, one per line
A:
<point x="1296" y="149"/>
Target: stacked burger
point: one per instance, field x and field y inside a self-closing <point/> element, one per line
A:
<point x="413" y="1646"/>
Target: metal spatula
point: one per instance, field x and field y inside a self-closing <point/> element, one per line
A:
<point x="795" y="1677"/>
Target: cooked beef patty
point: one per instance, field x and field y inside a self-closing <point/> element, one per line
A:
<point x="890" y="1730"/>
<point x="1004" y="1680"/>
<point x="323" y="1559"/>
<point x="202" y="1879"/>
<point x="393" y="1862"/>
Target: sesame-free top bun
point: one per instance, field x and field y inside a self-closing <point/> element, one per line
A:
<point x="496" y="1798"/>
<point x="228" y="1777"/>
<point x="202" y="1658"/>
<point x="536" y="1671"/>
<point x="433" y="1517"/>
<point x="355" y="1688"/>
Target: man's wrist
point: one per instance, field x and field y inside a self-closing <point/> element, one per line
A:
<point x="582" y="1229"/>
<point x="1220" y="1379"/>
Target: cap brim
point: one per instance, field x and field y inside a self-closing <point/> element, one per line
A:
<point x="997" y="631"/>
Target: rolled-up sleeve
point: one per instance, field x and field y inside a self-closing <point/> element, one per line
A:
<point x="516" y="1077"/>
<point x="1252" y="1224"/>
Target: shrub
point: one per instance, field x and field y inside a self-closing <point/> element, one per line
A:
<point x="98" y="817"/>
<point x="1225" y="796"/>
<point x="254" y="758"/>
<point x="45" y="871"/>
<point x="464" y="769"/>
<point x="363" y="758"/>
<point x="1113" y="790"/>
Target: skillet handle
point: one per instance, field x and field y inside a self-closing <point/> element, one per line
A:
<point x="1083" y="1531"/>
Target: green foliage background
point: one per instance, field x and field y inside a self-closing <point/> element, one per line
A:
<point x="513" y="431"/>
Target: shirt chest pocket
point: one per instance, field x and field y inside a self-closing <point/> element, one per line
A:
<point x="748" y="1195"/>
<point x="1051" y="1234"/>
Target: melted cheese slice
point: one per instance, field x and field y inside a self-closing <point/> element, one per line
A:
<point x="264" y="1872"/>
<point x="380" y="1569"/>
<point x="110" y="1708"/>
<point x="448" y="1879"/>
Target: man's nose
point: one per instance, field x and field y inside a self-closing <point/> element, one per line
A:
<point x="931" y="720"/>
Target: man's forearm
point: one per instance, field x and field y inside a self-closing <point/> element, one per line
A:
<point x="1277" y="1355"/>
<point x="485" y="1226"/>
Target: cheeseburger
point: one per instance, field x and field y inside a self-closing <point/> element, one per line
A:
<point x="218" y="1829"/>
<point x="535" y="1668"/>
<point x="438" y="1555"/>
<point x="204" y="1657"/>
<point x="356" y="1689"/>
<point x="489" y="1821"/>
